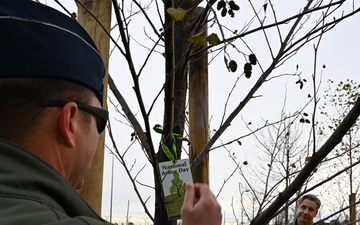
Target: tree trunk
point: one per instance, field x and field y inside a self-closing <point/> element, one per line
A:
<point x="160" y="209"/>
<point x="161" y="217"/>
<point x="176" y="58"/>
<point x="352" y="200"/>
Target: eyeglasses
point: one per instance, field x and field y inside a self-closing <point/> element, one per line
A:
<point x="100" y="114"/>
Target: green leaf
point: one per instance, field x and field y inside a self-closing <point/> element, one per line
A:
<point x="167" y="151"/>
<point x="177" y="14"/>
<point x="213" y="39"/>
<point x="195" y="39"/>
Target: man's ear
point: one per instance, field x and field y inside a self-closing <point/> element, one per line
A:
<point x="68" y="122"/>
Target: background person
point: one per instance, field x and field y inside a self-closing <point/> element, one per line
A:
<point x="307" y="208"/>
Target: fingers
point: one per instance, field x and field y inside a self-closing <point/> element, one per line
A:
<point x="190" y="198"/>
<point x="200" y="206"/>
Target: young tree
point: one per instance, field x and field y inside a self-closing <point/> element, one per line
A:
<point x="338" y="101"/>
<point x="261" y="48"/>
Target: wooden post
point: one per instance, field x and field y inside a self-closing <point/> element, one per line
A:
<point x="199" y="111"/>
<point x="101" y="9"/>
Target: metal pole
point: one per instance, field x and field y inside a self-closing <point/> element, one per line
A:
<point x="112" y="187"/>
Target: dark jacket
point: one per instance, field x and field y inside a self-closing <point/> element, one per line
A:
<point x="32" y="192"/>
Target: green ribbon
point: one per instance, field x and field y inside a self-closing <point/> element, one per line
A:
<point x="170" y="153"/>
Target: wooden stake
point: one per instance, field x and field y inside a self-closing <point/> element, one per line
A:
<point x="101" y="9"/>
<point x="199" y="111"/>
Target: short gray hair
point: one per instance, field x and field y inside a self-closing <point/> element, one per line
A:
<point x="310" y="197"/>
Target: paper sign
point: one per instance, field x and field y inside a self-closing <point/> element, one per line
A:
<point x="174" y="176"/>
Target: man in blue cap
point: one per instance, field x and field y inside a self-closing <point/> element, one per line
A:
<point x="51" y="94"/>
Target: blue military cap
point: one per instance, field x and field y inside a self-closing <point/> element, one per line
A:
<point x="39" y="41"/>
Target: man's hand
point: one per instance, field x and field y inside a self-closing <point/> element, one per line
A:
<point x="200" y="206"/>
